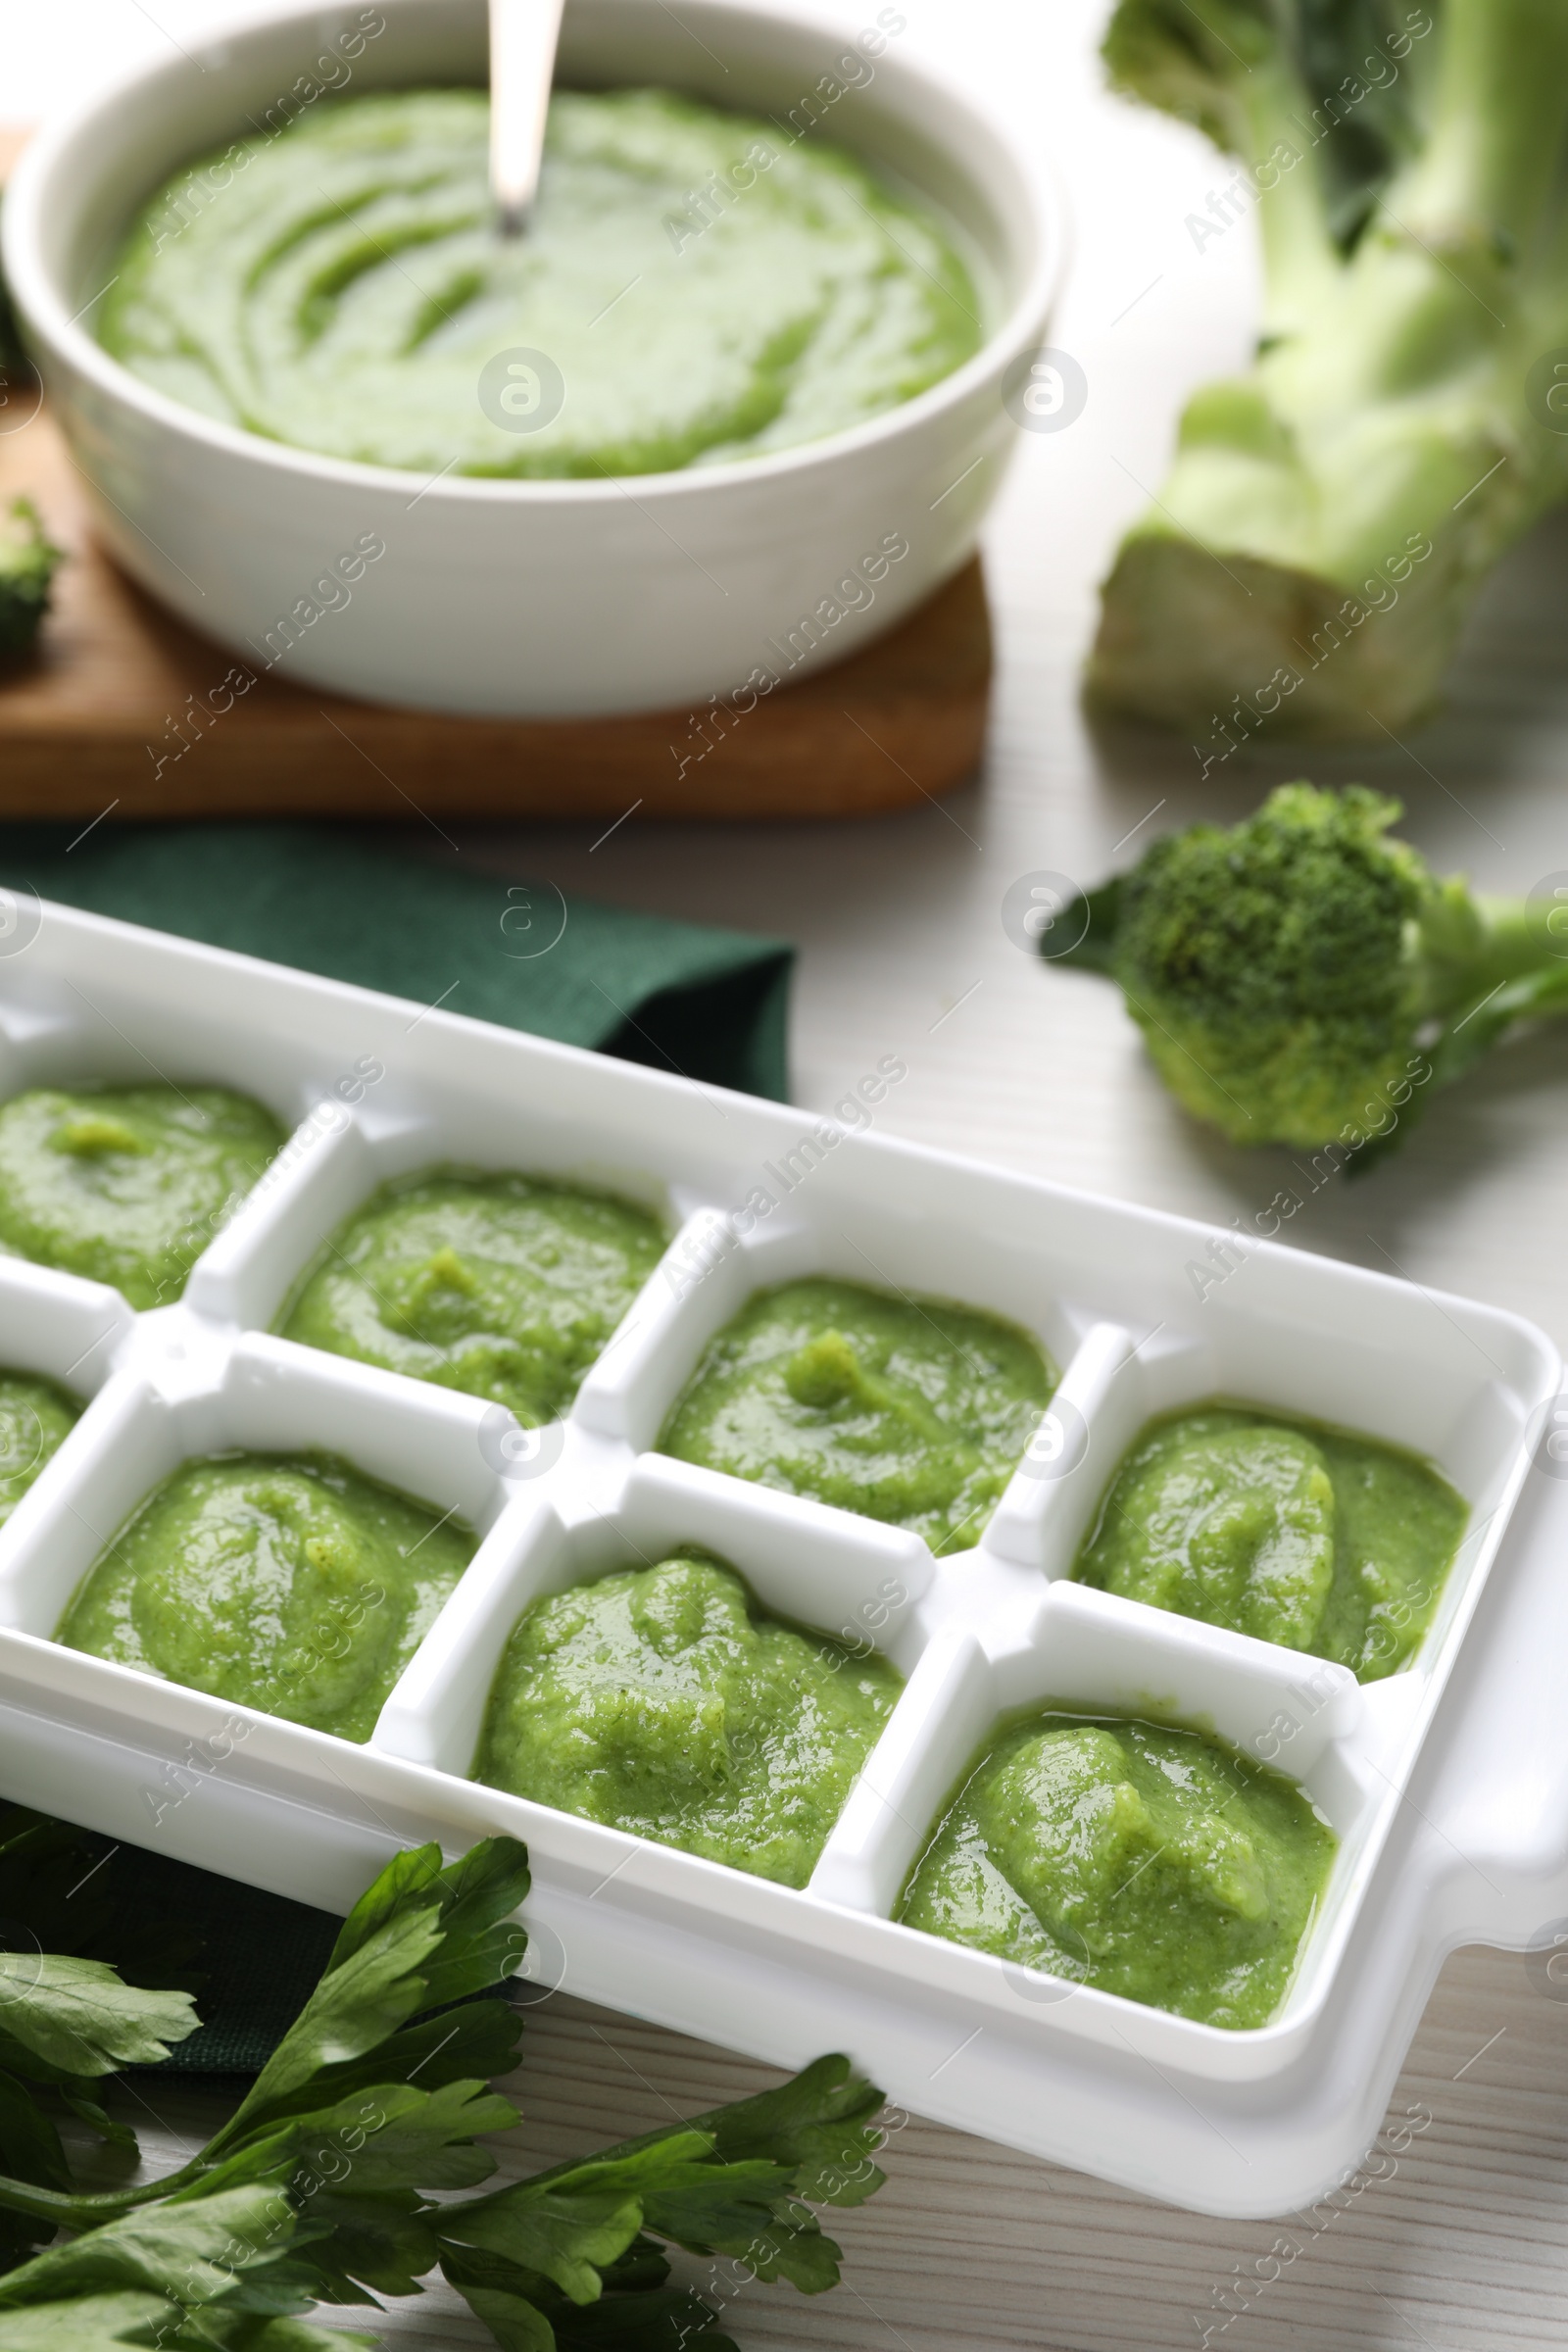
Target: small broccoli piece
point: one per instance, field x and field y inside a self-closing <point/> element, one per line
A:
<point x="1330" y="514"/>
<point x="1302" y="979"/>
<point x="27" y="564"/>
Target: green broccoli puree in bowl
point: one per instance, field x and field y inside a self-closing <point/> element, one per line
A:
<point x="666" y="1701"/>
<point x="1312" y="1537"/>
<point x="1153" y="1863"/>
<point x="35" y="1418"/>
<point x="507" y="1287"/>
<point x="701" y="286"/>
<point x="290" y="1583"/>
<point x="128" y="1185"/>
<point x="910" y="1410"/>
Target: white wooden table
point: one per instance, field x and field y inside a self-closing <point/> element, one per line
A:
<point x="902" y="950"/>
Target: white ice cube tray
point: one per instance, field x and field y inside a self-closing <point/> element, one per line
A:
<point x="1125" y="1300"/>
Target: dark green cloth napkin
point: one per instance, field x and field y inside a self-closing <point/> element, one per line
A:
<point x="250" y="1959"/>
<point x="686" y="997"/>
<point x="257" y="1956"/>
<point x="708" y="1003"/>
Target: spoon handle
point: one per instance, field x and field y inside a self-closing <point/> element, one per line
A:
<point x="524" y="34"/>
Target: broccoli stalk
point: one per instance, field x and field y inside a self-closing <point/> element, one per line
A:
<point x="1330" y="514"/>
<point x="1302" y="979"/>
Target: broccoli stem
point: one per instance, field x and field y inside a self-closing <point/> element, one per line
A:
<point x="1501" y="104"/>
<point x="1328" y="516"/>
<point x="1301" y="263"/>
<point x="1517" y="971"/>
<point x="1513" y="941"/>
<point x="1486" y="965"/>
<point x="1508" y="940"/>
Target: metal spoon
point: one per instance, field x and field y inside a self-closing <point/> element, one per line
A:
<point x="524" y="34"/>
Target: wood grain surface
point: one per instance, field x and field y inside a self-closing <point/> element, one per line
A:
<point x="125" y="704"/>
<point x="1459" y="2243"/>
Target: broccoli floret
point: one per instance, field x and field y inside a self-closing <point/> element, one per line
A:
<point x="1302" y="979"/>
<point x="27" y="564"/>
<point x="1330" y="514"/>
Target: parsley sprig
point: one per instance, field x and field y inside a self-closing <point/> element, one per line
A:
<point x="331" y="2183"/>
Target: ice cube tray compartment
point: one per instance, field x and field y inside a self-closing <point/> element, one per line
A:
<point x="718" y="1260"/>
<point x="1085" y="1653"/>
<point x="89" y="1029"/>
<point x="261" y="1396"/>
<point x="1425" y="1382"/>
<point x="801" y="1560"/>
<point x="339" y="1156"/>
<point x="71" y="1332"/>
<point x="1125" y="1302"/>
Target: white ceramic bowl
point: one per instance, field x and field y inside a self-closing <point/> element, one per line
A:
<point x="528" y="596"/>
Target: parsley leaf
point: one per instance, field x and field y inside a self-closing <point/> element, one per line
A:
<point x="85" y="2324"/>
<point x="334" y="2180"/>
<point x="79" y="2018"/>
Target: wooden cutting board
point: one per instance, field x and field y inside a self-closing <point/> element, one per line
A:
<point x="117" y="711"/>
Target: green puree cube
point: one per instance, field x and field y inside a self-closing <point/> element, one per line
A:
<point x="128" y="1185"/>
<point x="1315" y="1538"/>
<point x="910" y="1410"/>
<point x="1147" y="1862"/>
<point x="666" y="1701"/>
<point x="35" y="1418"/>
<point x="504" y="1285"/>
<point x="284" y="1582"/>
